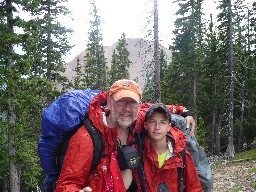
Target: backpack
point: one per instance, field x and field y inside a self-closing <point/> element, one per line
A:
<point x="98" y="146"/>
<point x="60" y="120"/>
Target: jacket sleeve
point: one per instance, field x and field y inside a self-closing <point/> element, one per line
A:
<point x="77" y="162"/>
<point x="192" y="181"/>
<point x="176" y="109"/>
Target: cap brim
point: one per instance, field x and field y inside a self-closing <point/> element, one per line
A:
<point x="126" y="93"/>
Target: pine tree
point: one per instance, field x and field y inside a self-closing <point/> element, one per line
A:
<point x="13" y="66"/>
<point x="149" y="90"/>
<point x="226" y="52"/>
<point x="95" y="62"/>
<point x="24" y="89"/>
<point x="242" y="62"/>
<point x="211" y="90"/>
<point x="49" y="42"/>
<point x="79" y="82"/>
<point x="186" y="54"/>
<point x="120" y="62"/>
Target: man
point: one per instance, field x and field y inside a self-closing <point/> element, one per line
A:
<point x="115" y="123"/>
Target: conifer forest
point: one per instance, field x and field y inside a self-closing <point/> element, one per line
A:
<point x="212" y="73"/>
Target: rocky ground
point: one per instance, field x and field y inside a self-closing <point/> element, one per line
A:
<point x="234" y="176"/>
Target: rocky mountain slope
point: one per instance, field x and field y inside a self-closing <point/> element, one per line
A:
<point x="141" y="55"/>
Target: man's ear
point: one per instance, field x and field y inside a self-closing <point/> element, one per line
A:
<point x="109" y="103"/>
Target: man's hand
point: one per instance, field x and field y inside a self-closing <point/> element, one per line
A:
<point x="191" y="123"/>
<point x="86" y="189"/>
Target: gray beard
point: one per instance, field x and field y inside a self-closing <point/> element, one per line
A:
<point x="121" y="124"/>
<point x="118" y="123"/>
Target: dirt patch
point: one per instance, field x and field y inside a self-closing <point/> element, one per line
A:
<point x="234" y="176"/>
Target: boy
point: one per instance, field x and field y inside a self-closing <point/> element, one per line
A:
<point x="163" y="146"/>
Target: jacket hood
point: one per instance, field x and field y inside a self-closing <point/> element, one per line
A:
<point x="179" y="139"/>
<point x="97" y="106"/>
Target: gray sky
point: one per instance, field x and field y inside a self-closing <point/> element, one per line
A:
<point x="128" y="16"/>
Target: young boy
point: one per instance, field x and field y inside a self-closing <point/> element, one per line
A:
<point x="162" y="159"/>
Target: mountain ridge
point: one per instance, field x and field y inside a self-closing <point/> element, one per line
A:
<point x="141" y="56"/>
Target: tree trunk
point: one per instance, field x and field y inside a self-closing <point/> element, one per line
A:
<point x="14" y="176"/>
<point x="230" y="148"/>
<point x="213" y="129"/>
<point x="240" y="131"/>
<point x="217" y="136"/>
<point x="156" y="55"/>
<point x="14" y="173"/>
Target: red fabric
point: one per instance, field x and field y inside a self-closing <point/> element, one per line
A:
<point x="77" y="163"/>
<point x="116" y="174"/>
<point x="168" y="173"/>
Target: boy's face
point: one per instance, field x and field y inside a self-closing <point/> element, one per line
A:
<point x="157" y="125"/>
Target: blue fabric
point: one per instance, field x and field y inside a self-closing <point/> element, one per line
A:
<point x="63" y="115"/>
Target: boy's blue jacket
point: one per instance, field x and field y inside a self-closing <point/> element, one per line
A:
<point x="62" y="116"/>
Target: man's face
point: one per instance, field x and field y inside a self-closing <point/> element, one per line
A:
<point x="124" y="111"/>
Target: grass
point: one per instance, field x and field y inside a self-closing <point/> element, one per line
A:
<point x="253" y="185"/>
<point x="236" y="188"/>
<point x="253" y="170"/>
<point x="251" y="154"/>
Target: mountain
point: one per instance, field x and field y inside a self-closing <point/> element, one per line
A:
<point x="141" y="55"/>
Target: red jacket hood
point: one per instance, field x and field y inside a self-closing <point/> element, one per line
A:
<point x="97" y="106"/>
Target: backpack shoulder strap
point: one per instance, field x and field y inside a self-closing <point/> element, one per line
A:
<point x="139" y="138"/>
<point x="181" y="170"/>
<point x="98" y="143"/>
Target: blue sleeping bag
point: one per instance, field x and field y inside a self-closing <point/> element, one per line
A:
<point x="63" y="115"/>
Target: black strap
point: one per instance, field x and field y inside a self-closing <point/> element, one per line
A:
<point x="139" y="139"/>
<point x="181" y="170"/>
<point x="98" y="143"/>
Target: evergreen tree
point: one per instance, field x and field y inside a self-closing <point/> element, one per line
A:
<point x="79" y="82"/>
<point x="47" y="42"/>
<point x="211" y="90"/>
<point x="186" y="53"/>
<point x="13" y="66"/>
<point x="24" y="87"/>
<point x="120" y="62"/>
<point x="95" y="70"/>
<point x="149" y="90"/>
<point x="243" y="67"/>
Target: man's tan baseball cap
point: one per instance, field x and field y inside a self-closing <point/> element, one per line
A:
<point x="125" y="88"/>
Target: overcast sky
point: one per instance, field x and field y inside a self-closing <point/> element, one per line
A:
<point x="128" y="16"/>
